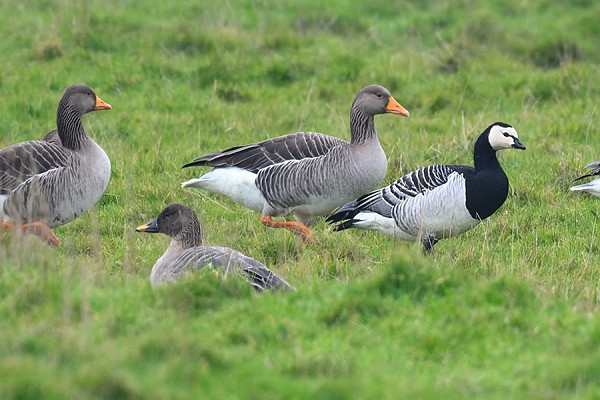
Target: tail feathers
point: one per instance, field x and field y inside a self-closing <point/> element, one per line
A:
<point x="584" y="176"/>
<point x="347" y="224"/>
<point x="580" y="187"/>
<point x="198" y="162"/>
<point x="594" y="170"/>
<point x="196" y="182"/>
<point x="345" y="212"/>
<point x="264" y="279"/>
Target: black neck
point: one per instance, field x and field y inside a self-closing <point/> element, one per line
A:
<point x="487" y="187"/>
<point x="484" y="156"/>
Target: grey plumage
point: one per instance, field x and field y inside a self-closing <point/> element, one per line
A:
<point x="306" y="174"/>
<point x="256" y="156"/>
<point x="186" y="252"/>
<point x="54" y="180"/>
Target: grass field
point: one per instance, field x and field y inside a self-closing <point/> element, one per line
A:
<point x="507" y="310"/>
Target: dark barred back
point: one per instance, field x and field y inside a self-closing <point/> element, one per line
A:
<point x="256" y="156"/>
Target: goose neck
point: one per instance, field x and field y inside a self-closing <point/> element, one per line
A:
<point x="191" y="236"/>
<point x="69" y="127"/>
<point x="485" y="158"/>
<point x="362" y="126"/>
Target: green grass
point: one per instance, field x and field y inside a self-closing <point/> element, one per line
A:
<point x="507" y="310"/>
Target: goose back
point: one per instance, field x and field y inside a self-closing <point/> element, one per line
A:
<point x="60" y="194"/>
<point x="315" y="186"/>
<point x="24" y="160"/>
<point x="256" y="156"/>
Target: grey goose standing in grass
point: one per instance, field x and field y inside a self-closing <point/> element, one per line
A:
<point x="306" y="174"/>
<point x="592" y="187"/>
<point x="438" y="201"/>
<point x="186" y="252"/>
<point x="50" y="182"/>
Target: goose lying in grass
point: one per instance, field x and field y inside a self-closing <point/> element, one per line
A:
<point x="48" y="183"/>
<point x="186" y="252"/>
<point x="592" y="187"/>
<point x="306" y="174"/>
<point x="438" y="201"/>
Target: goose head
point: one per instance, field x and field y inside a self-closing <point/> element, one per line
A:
<point x="178" y="222"/>
<point x="375" y="99"/>
<point x="82" y="99"/>
<point x="503" y="136"/>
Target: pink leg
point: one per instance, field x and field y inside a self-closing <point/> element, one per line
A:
<point x="39" y="229"/>
<point x="297" y="227"/>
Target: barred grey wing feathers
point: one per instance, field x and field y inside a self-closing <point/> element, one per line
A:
<point x="256" y="156"/>
<point x="24" y="160"/>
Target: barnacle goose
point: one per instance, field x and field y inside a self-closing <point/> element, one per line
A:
<point x="438" y="201"/>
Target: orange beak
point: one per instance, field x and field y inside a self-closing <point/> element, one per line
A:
<point x="101" y="104"/>
<point x="393" y="107"/>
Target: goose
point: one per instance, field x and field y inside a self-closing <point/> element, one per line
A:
<point x="50" y="182"/>
<point x="306" y="174"/>
<point x="438" y="201"/>
<point x="186" y="252"/>
<point x="592" y="187"/>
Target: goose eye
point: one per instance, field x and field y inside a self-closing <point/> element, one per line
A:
<point x="379" y="95"/>
<point x="505" y="134"/>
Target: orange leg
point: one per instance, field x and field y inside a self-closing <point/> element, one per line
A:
<point x="297" y="227"/>
<point x="39" y="229"/>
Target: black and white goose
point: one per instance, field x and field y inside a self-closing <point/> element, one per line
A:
<point x="592" y="187"/>
<point x="306" y="174"/>
<point x="186" y="252"/>
<point x="50" y="182"/>
<point x="438" y="201"/>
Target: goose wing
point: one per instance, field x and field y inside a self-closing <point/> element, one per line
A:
<point x="23" y="161"/>
<point x="228" y="261"/>
<point x="384" y="200"/>
<point x="256" y="156"/>
<point x="594" y="170"/>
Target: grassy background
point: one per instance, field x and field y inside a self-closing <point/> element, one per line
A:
<point x="508" y="310"/>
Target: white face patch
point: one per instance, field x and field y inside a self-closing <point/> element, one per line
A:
<point x="502" y="137"/>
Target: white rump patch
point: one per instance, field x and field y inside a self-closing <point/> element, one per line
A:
<point x="592" y="187"/>
<point x="235" y="183"/>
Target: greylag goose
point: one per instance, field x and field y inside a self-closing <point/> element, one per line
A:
<point x="592" y="187"/>
<point x="306" y="174"/>
<point x="438" y="201"/>
<point x="186" y="252"/>
<point x="48" y="183"/>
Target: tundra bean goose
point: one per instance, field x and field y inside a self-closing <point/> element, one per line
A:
<point x="593" y="186"/>
<point x="306" y="174"/>
<point x="48" y="183"/>
<point x="437" y="201"/>
<point x="186" y="252"/>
